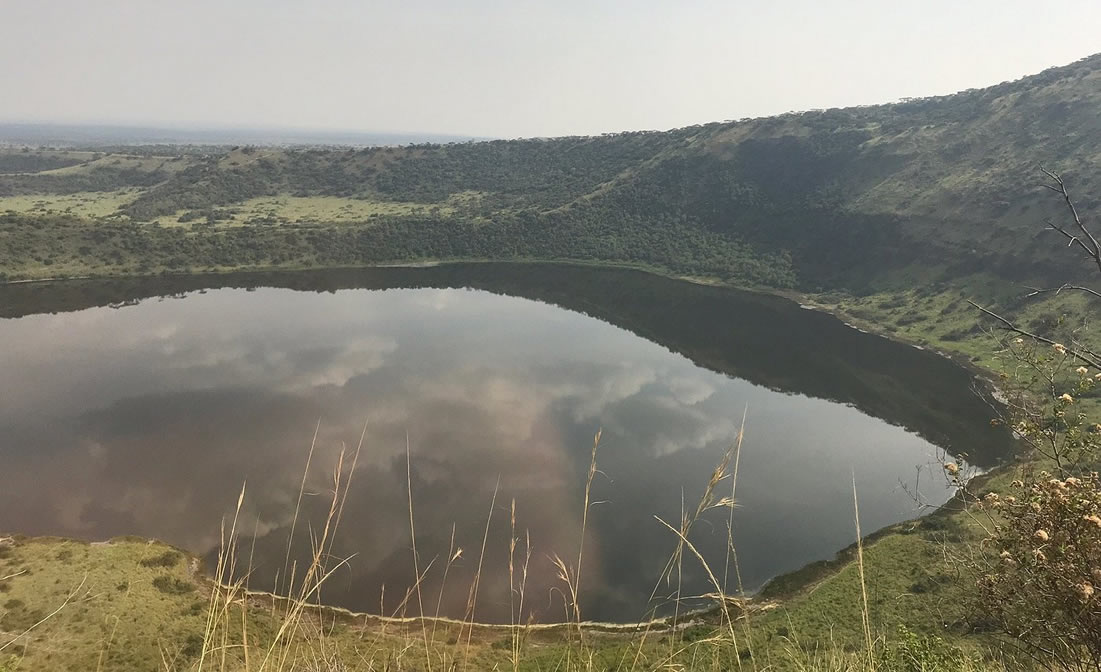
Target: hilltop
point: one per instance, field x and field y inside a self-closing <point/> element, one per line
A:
<point x="890" y="214"/>
<point x="859" y="199"/>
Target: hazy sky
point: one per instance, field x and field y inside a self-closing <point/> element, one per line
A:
<point x="510" y="67"/>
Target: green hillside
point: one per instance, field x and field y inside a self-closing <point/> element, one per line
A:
<point x="891" y="215"/>
<point x="860" y="199"/>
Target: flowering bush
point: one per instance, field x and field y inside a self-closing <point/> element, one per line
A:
<point x="1042" y="584"/>
<point x="1039" y="569"/>
<point x="1040" y="566"/>
<point x="1043" y="409"/>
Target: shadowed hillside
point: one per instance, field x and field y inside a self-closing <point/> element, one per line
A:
<point x="788" y="349"/>
<point x="861" y="199"/>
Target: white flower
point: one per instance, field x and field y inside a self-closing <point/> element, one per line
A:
<point x="1067" y="398"/>
<point x="1060" y="348"/>
<point x="952" y="468"/>
<point x="1081" y="370"/>
<point x="1085" y="590"/>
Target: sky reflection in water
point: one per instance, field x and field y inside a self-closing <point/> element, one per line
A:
<point x="147" y="419"/>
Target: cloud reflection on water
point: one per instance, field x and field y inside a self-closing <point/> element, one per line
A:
<point x="147" y="419"/>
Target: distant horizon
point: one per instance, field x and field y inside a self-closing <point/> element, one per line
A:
<point x="89" y="132"/>
<point x="491" y="69"/>
<point x="319" y="132"/>
<point x="200" y="126"/>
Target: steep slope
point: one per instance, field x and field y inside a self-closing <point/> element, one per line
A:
<point x="857" y="194"/>
<point x="861" y="199"/>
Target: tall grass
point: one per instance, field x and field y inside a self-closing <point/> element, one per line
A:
<point x="244" y="633"/>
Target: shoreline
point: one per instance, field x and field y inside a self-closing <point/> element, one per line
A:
<point x="753" y="601"/>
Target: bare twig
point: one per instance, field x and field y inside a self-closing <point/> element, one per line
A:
<point x="1084" y="238"/>
<point x="1081" y="354"/>
<point x="64" y="603"/>
<point x="1036" y="291"/>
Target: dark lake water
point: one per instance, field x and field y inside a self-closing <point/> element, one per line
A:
<point x="141" y="406"/>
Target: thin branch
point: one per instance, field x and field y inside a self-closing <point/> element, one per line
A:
<point x="1093" y="249"/>
<point x="1081" y="355"/>
<point x="55" y="612"/>
<point x="1078" y="288"/>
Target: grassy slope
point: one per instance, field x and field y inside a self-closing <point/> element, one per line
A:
<point x="114" y="609"/>
<point x="915" y="188"/>
<point x="119" y="619"/>
<point x="817" y="609"/>
<point x="862" y="199"/>
<point x="814" y="610"/>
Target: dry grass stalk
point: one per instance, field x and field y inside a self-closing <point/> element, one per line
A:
<point x="416" y="560"/>
<point x="472" y="600"/>
<point x="864" y="614"/>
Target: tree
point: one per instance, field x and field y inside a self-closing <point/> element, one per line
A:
<point x="1039" y="568"/>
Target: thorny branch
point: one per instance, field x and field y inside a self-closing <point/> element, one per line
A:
<point x="1080" y="353"/>
<point x="1087" y="242"/>
<point x="1083" y="239"/>
<point x="1037" y="291"/>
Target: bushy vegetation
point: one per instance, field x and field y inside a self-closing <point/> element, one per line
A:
<point x="882" y="210"/>
<point x="1041" y="588"/>
<point x="26" y="161"/>
<point x="864" y="200"/>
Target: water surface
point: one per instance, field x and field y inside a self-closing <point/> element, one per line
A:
<point x="140" y="407"/>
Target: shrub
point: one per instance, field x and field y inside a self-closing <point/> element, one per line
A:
<point x="1044" y="574"/>
<point x="169" y="558"/>
<point x="193" y="646"/>
<point x="170" y="585"/>
<point x="912" y="653"/>
<point x="697" y="632"/>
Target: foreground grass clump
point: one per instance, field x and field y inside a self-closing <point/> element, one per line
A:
<point x="112" y="615"/>
<point x="890" y="603"/>
<point x="115" y="615"/>
<point x="136" y="604"/>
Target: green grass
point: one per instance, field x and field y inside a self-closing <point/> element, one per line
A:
<point x="308" y="210"/>
<point x="112" y="612"/>
<point x="909" y="574"/>
<point x="677" y="203"/>
<point x="857" y="199"/>
<point x="806" y="620"/>
<point x="128" y="603"/>
<point x="910" y="578"/>
<point x="114" y="161"/>
<point x="283" y="208"/>
<point x="89" y="204"/>
<point x="117" y="613"/>
<point x="940" y="317"/>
